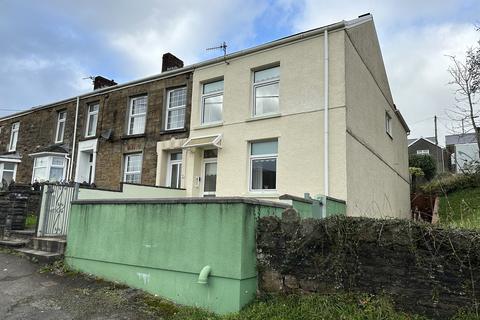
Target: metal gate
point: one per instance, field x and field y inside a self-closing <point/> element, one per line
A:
<point x="55" y="210"/>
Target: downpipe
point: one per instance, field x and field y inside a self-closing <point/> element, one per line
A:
<point x="204" y="274"/>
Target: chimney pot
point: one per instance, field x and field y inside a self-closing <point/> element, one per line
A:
<point x="100" y="82"/>
<point x="170" y="62"/>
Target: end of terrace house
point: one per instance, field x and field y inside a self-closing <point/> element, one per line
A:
<point x="310" y="113"/>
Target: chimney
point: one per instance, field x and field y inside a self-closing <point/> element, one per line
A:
<point x="100" y="82"/>
<point x="170" y="62"/>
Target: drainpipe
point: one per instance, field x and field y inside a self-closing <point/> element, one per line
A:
<point x="203" y="276"/>
<point x="325" y="116"/>
<point x="70" y="168"/>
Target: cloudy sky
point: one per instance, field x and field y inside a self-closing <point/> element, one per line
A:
<point x="49" y="46"/>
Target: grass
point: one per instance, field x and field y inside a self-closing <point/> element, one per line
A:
<point x="31" y="221"/>
<point x="461" y="209"/>
<point x="324" y="307"/>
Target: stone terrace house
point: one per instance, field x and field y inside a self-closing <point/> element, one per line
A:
<point x="103" y="137"/>
<point x="259" y="127"/>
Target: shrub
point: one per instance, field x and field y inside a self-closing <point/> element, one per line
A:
<point x="449" y="183"/>
<point x="424" y="162"/>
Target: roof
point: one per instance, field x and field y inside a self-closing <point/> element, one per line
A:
<point x="344" y="24"/>
<point x="54" y="148"/>
<point x="462" y="138"/>
<point x="428" y="139"/>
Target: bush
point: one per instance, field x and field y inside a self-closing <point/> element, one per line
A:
<point x="424" y="162"/>
<point x="445" y="184"/>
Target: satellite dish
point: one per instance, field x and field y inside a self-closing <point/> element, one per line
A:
<point x="107" y="134"/>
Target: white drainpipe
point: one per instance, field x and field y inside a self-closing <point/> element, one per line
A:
<point x="325" y="116"/>
<point x="70" y="167"/>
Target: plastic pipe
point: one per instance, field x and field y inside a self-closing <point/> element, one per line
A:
<point x="203" y="276"/>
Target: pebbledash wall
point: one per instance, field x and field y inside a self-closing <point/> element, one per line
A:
<point x="161" y="246"/>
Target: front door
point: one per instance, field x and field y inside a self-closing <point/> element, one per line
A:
<point x="209" y="177"/>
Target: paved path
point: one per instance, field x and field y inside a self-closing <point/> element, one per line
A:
<point x="27" y="294"/>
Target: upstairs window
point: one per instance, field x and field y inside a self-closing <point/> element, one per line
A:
<point x="212" y="102"/>
<point x="266" y="84"/>
<point x="174" y="172"/>
<point x="61" y="118"/>
<point x="49" y="168"/>
<point x="263" y="165"/>
<point x="92" y="119"/>
<point x="12" y="146"/>
<point x="423" y="152"/>
<point x="133" y="168"/>
<point x="176" y="105"/>
<point x="137" y="114"/>
<point x="388" y="124"/>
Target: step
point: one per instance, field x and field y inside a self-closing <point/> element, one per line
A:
<point x="39" y="255"/>
<point x="22" y="234"/>
<point x="13" y="243"/>
<point x="53" y="245"/>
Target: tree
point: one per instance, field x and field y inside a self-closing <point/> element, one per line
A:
<point x="466" y="80"/>
<point x="425" y="163"/>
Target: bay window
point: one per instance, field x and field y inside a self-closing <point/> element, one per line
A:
<point x="212" y="102"/>
<point x="266" y="84"/>
<point x="175" y="110"/>
<point x="137" y="114"/>
<point x="133" y="168"/>
<point x="49" y="168"/>
<point x="8" y="171"/>
<point x="263" y="165"/>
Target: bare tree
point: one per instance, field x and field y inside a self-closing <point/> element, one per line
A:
<point x="466" y="80"/>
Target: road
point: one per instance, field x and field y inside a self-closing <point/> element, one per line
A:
<point x="25" y="294"/>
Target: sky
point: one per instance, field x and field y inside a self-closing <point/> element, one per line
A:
<point x="49" y="47"/>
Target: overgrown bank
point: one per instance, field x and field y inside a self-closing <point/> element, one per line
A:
<point x="426" y="270"/>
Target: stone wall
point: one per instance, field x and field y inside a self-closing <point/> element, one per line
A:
<point x="426" y="270"/>
<point x="15" y="205"/>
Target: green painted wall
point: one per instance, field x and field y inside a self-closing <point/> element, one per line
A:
<point x="162" y="247"/>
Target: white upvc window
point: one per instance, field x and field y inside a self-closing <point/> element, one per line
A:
<point x="175" y="110"/>
<point x="388" y="124"/>
<point x="132" y="172"/>
<point x="263" y="165"/>
<point x="174" y="170"/>
<point x="137" y="115"/>
<point x="8" y="171"/>
<point x="61" y="118"/>
<point x="266" y="85"/>
<point x="12" y="146"/>
<point x="92" y="120"/>
<point x="49" y="168"/>
<point x="423" y="152"/>
<point x="212" y="102"/>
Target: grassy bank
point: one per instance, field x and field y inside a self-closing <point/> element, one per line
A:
<point x="461" y="209"/>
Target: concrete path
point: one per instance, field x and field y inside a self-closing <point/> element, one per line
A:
<point x="27" y="294"/>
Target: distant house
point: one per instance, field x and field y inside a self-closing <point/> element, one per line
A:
<point x="428" y="146"/>
<point x="463" y="149"/>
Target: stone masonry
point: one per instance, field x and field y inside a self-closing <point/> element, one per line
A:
<point x="424" y="269"/>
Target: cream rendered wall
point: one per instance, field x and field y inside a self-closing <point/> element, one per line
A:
<point x="377" y="165"/>
<point x="299" y="127"/>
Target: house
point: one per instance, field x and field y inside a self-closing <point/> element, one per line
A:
<point x="428" y="146"/>
<point x="103" y="137"/>
<point x="309" y="113"/>
<point x="463" y="149"/>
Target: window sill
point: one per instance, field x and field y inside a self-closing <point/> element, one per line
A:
<point x="181" y="130"/>
<point x="269" y="116"/>
<point x="210" y="125"/>
<point x="133" y="136"/>
<point x="263" y="194"/>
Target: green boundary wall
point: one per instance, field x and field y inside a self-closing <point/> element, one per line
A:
<point x="162" y="245"/>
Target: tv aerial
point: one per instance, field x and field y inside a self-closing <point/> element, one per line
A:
<point x="223" y="46"/>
